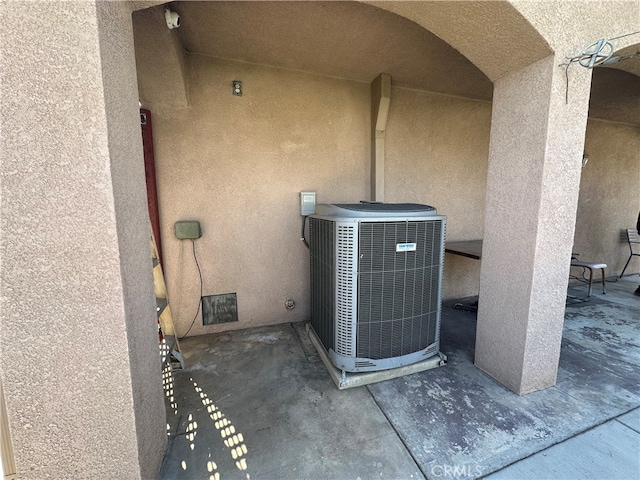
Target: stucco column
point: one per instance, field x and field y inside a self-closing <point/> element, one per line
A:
<point x="532" y="193"/>
<point x="80" y="364"/>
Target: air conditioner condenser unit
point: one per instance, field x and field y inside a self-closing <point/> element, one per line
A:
<point x="376" y="281"/>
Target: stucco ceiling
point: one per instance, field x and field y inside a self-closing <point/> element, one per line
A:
<point x="341" y="39"/>
<point x="357" y="41"/>
<point x="615" y="95"/>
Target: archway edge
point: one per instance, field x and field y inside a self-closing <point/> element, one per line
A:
<point x="625" y="66"/>
<point x="493" y="35"/>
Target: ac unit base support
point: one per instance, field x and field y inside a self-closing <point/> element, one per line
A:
<point x="344" y="380"/>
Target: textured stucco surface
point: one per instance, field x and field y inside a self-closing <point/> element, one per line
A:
<point x="494" y="36"/>
<point x="615" y="95"/>
<point x="75" y="288"/>
<point x="437" y="148"/>
<point x="609" y="199"/>
<point x="348" y="40"/>
<point x="221" y="163"/>
<point x="236" y="164"/>
<point x="532" y="192"/>
<point x="569" y="27"/>
<point x="537" y="138"/>
<point x="161" y="63"/>
<point x="132" y="224"/>
<point x="80" y="386"/>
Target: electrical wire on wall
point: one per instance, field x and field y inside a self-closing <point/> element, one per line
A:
<point x="595" y="55"/>
<point x="195" y="257"/>
<point x="303" y="238"/>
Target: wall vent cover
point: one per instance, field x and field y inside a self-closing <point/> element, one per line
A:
<point x="221" y="308"/>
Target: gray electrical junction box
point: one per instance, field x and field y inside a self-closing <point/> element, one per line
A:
<point x="188" y="230"/>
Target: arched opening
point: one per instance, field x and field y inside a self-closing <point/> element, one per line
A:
<point x="609" y="195"/>
<point x="73" y="193"/>
<point x="307" y="69"/>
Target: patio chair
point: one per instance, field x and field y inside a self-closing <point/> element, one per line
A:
<point x="633" y="239"/>
<point x="591" y="266"/>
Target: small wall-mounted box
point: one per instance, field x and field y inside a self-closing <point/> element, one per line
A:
<point x="188" y="230"/>
<point x="307" y="203"/>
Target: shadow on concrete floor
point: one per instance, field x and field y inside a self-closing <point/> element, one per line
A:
<point x="259" y="404"/>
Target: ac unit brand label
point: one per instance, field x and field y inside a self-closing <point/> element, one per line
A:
<point x="406" y="247"/>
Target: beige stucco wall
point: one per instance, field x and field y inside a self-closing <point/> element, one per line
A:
<point x="78" y="370"/>
<point x="609" y="195"/>
<point x="437" y="148"/>
<point x="162" y="59"/>
<point x="128" y="185"/>
<point x="80" y="365"/>
<point x="537" y="138"/>
<point x="237" y="164"/>
<point x="533" y="173"/>
<point x="609" y="199"/>
<point x="569" y="27"/>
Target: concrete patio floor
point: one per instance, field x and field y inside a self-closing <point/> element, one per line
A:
<point x="260" y="404"/>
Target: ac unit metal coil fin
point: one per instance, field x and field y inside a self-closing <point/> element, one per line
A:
<point x="376" y="280"/>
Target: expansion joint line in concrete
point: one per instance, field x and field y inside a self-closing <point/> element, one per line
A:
<point x="415" y="460"/>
